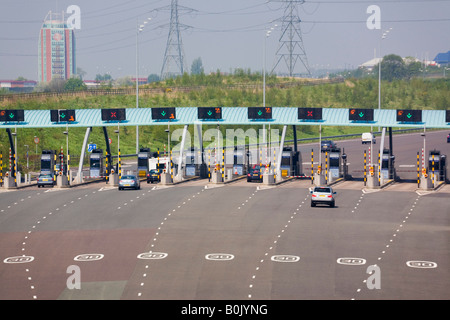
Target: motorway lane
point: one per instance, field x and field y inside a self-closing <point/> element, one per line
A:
<point x="58" y="225"/>
<point x="188" y="222"/>
<point x="423" y="234"/>
<point x="216" y="221"/>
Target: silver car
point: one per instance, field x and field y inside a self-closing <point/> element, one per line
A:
<point x="129" y="181"/>
<point x="322" y="195"/>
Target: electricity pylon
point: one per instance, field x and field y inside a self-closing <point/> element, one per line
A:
<point x="291" y="49"/>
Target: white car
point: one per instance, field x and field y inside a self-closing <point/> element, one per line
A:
<point x="367" y="137"/>
<point x="322" y="195"/>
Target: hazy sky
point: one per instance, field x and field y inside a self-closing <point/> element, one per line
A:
<point x="224" y="34"/>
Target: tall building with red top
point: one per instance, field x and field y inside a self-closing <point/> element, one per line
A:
<point x="56" y="51"/>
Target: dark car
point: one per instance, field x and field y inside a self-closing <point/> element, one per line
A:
<point x="448" y="138"/>
<point x="153" y="176"/>
<point x="45" y="180"/>
<point x="254" y="174"/>
<point x="327" y="145"/>
<point x="129" y="181"/>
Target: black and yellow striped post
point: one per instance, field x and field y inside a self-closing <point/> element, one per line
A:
<point x="107" y="167"/>
<point x="120" y="166"/>
<point x="365" y="168"/>
<point x="379" y="167"/>
<point x="326" y="167"/>
<point x="15" y="169"/>
<point x="418" y="169"/>
<point x="432" y="169"/>
<point x="157" y="163"/>
<point x="209" y="165"/>
<point x="223" y="164"/>
<point x="54" y="167"/>
<point x="312" y="166"/>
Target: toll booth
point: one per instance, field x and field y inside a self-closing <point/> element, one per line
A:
<point x="96" y="168"/>
<point x="238" y="162"/>
<point x="289" y="162"/>
<point x="143" y="164"/>
<point x="437" y="165"/>
<point x="385" y="164"/>
<point x="334" y="171"/>
<point x="48" y="161"/>
<point x="192" y="167"/>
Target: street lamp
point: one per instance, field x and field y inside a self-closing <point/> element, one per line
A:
<point x="383" y="36"/>
<point x="266" y="35"/>
<point x="140" y="28"/>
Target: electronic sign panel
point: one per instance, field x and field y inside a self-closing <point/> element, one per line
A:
<point x="12" y="116"/>
<point x="114" y="114"/>
<point x="409" y="115"/>
<point x="164" y="114"/>
<point x="209" y="113"/>
<point x="62" y="116"/>
<point x="260" y="113"/>
<point x="360" y="114"/>
<point x="309" y="113"/>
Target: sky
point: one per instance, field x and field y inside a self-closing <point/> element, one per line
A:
<point x="225" y="35"/>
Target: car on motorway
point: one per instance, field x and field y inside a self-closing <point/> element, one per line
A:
<point x="368" y="137"/>
<point x="254" y="174"/>
<point x="153" y="176"/>
<point x="45" y="180"/>
<point x="129" y="181"/>
<point x="323" y="195"/>
<point x="327" y="145"/>
<point x="448" y="138"/>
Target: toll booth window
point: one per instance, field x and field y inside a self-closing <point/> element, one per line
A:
<point x="142" y="162"/>
<point x="46" y="164"/>
<point x="334" y="162"/>
<point x="95" y="163"/>
<point x="285" y="161"/>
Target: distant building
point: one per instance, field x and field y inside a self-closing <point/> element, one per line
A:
<point x="56" y="51"/>
<point x="141" y="80"/>
<point x="442" y="58"/>
<point x="369" y="65"/>
<point x="18" y="85"/>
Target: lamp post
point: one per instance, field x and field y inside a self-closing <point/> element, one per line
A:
<point x="266" y="35"/>
<point x="383" y="36"/>
<point x="140" y="28"/>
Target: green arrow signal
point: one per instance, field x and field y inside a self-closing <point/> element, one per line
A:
<point x="209" y="113"/>
<point x="361" y="114"/>
<point x="62" y="115"/>
<point x="163" y="113"/>
<point x="11" y="115"/>
<point x="260" y="113"/>
<point x="409" y="115"/>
